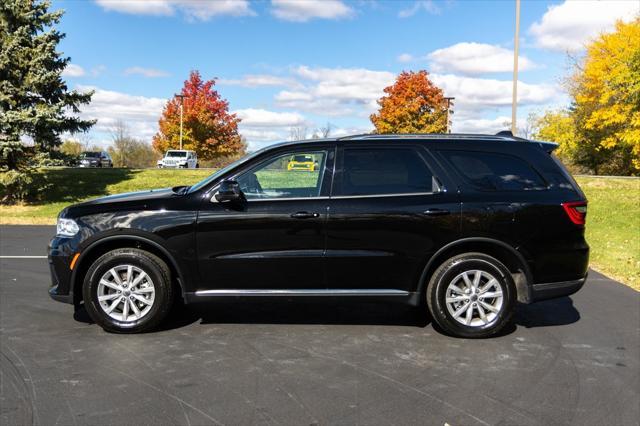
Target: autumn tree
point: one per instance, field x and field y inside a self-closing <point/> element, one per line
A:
<point x="605" y="89"/>
<point x="413" y="104"/>
<point x="209" y="128"/>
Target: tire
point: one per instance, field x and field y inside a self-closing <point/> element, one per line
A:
<point x="476" y="297"/>
<point x="155" y="288"/>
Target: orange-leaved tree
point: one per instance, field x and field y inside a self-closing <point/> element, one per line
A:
<point x="413" y="104"/>
<point x="208" y="127"/>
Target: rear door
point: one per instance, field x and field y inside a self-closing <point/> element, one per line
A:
<point x="391" y="208"/>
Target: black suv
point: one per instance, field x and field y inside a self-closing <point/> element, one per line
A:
<point x="469" y="224"/>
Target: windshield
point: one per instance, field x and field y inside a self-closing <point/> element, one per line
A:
<point x="176" y="154"/>
<point x="222" y="171"/>
<point x="302" y="158"/>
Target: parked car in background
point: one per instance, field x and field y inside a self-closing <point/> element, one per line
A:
<point x="95" y="159"/>
<point x="179" y="158"/>
<point x="302" y="162"/>
<point x="462" y="225"/>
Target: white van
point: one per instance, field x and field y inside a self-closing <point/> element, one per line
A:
<point x="179" y="158"/>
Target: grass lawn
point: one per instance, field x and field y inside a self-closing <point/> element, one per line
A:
<point x="613" y="220"/>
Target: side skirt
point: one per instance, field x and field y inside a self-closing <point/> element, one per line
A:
<point x="203" y="295"/>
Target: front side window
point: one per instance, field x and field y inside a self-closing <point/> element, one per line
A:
<point x="285" y="177"/>
<point x="489" y="171"/>
<point x="384" y="171"/>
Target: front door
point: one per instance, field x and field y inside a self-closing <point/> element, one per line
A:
<point x="388" y="214"/>
<point x="276" y="239"/>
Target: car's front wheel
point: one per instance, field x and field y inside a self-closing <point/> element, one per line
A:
<point x="471" y="295"/>
<point x="128" y="290"/>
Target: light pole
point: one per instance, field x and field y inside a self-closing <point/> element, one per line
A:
<point x="449" y="100"/>
<point x="514" y="101"/>
<point x="181" y="108"/>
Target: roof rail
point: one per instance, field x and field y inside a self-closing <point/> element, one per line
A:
<point x="450" y="136"/>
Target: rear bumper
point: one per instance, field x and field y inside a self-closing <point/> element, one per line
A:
<point x="553" y="290"/>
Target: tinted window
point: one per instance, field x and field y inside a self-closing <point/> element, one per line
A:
<point x="490" y="171"/>
<point x="374" y="171"/>
<point x="279" y="177"/>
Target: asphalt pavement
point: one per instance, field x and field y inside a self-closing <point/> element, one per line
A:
<point x="574" y="360"/>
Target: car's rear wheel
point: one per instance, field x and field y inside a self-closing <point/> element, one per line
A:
<point x="471" y="295"/>
<point x="128" y="291"/>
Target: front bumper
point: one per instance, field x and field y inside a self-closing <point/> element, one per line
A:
<point x="60" y="255"/>
<point x="545" y="291"/>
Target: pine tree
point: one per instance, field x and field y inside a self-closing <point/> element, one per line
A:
<point x="34" y="99"/>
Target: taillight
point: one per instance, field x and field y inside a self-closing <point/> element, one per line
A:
<point x="577" y="211"/>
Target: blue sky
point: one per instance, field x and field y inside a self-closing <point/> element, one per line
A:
<point x="305" y="63"/>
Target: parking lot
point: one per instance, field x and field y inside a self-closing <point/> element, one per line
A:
<point x="568" y="361"/>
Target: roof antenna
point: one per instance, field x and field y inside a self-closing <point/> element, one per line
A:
<point x="505" y="133"/>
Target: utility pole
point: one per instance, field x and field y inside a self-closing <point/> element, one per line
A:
<point x="181" y="109"/>
<point x="449" y="112"/>
<point x="514" y="101"/>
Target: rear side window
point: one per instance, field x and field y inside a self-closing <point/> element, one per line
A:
<point x="488" y="171"/>
<point x="380" y="171"/>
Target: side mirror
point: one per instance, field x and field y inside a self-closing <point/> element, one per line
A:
<point x="229" y="192"/>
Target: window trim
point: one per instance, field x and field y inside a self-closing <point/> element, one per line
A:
<point x="418" y="149"/>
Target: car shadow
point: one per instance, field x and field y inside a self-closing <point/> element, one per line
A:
<point x="549" y="313"/>
<point x="286" y="311"/>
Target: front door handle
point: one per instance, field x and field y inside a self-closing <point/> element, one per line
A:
<point x="436" y="212"/>
<point x="304" y="215"/>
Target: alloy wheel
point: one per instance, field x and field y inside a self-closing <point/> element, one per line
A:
<point x="126" y="293"/>
<point x="474" y="298"/>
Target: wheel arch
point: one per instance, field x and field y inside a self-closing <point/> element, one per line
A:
<point x="112" y="242"/>
<point x="502" y="251"/>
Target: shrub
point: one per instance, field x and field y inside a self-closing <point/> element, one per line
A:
<point x="22" y="185"/>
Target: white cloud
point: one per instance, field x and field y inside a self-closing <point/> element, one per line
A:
<point x="261" y="118"/>
<point x="427" y="5"/>
<point x="568" y="26"/>
<point x="405" y="57"/>
<point x="480" y="125"/>
<point x="476" y="95"/>
<point x="261" y="127"/>
<point x="146" y="72"/>
<point x="336" y="91"/>
<point x="139" y="113"/>
<point x="259" y="80"/>
<point x="476" y="58"/>
<point x="73" y="70"/>
<point x="305" y="10"/>
<point x="191" y="9"/>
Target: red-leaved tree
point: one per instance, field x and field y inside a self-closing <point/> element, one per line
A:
<point x="208" y="127"/>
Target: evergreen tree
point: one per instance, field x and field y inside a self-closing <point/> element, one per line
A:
<point x="34" y="99"/>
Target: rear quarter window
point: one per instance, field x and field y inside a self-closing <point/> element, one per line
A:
<point x="489" y="171"/>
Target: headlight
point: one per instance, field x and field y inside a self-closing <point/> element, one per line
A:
<point x="66" y="228"/>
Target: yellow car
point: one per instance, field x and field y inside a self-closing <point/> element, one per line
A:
<point x="302" y="162"/>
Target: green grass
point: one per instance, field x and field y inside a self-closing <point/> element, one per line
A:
<point x="613" y="227"/>
<point x="613" y="220"/>
<point x="72" y="185"/>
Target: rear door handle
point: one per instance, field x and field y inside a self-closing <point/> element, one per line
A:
<point x="304" y="215"/>
<point x="436" y="212"/>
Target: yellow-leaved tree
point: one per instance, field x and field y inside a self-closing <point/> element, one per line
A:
<point x="606" y="99"/>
